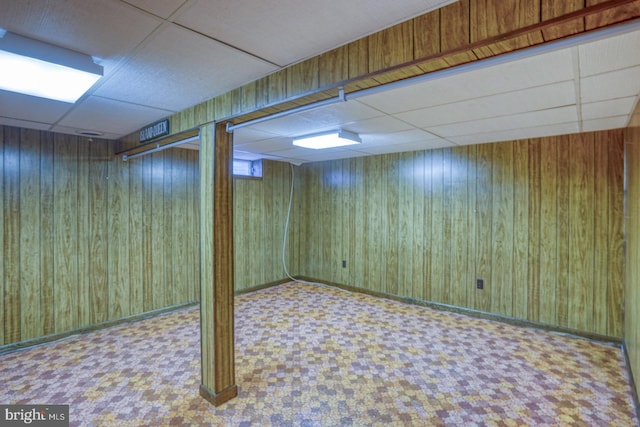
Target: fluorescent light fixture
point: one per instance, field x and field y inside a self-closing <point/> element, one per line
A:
<point x="39" y="69"/>
<point x="334" y="138"/>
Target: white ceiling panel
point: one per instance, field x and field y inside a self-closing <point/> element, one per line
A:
<point x="532" y="99"/>
<point x="178" y="69"/>
<point x="26" y="124"/>
<point x="250" y="134"/>
<point x="383" y="124"/>
<point x="30" y="108"/>
<point x="287" y="31"/>
<point x="79" y="131"/>
<point x="615" y="84"/>
<point x="409" y="146"/>
<point x="266" y="145"/>
<point x="610" y="54"/>
<point x="517" y="121"/>
<point x="107" y="29"/>
<point x="610" y="108"/>
<point x="516" y="134"/>
<point x="404" y="137"/>
<point x="605" y="123"/>
<point x="538" y="70"/>
<point x="118" y="116"/>
<point x="477" y="83"/>
<point x="162" y="8"/>
<point x="328" y="117"/>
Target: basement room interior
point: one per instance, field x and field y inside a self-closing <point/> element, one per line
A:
<point x="320" y="213"/>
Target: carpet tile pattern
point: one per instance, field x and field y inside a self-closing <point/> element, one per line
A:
<point x="316" y="356"/>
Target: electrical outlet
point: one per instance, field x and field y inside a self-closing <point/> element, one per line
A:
<point x="344" y="263"/>
<point x="480" y="284"/>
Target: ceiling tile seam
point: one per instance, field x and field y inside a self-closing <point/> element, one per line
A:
<point x="57" y="122"/>
<point x="615" y="70"/>
<point x="148" y="12"/>
<point x="613" y="116"/>
<point x="493" y="132"/>
<point x="617" y="98"/>
<point x="430" y="131"/>
<point x="127" y="56"/>
<point x="429" y="128"/>
<point x="229" y="45"/>
<point x="136" y="104"/>
<point x="120" y="64"/>
<point x="48" y="125"/>
<point x="575" y="56"/>
<point x="469" y="99"/>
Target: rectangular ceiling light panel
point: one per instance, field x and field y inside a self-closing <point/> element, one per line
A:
<point x="38" y="69"/>
<point x="335" y="138"/>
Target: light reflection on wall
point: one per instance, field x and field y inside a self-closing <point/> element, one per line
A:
<point x="420" y="168"/>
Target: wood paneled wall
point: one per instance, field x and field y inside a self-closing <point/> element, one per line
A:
<point x="88" y="238"/>
<point x="539" y="220"/>
<point x="632" y="262"/>
<point x="260" y="212"/>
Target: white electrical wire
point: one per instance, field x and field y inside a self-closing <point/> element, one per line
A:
<point x="284" y="241"/>
<point x="286" y="229"/>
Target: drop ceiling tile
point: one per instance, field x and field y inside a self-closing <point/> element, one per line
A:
<point x="404" y="137"/>
<point x="516" y="134"/>
<point x="348" y="153"/>
<point x="605" y="123"/>
<point x="287" y="31"/>
<point x="107" y="29"/>
<point x="540" y="70"/>
<point x="31" y="108"/>
<point x="156" y="75"/>
<point x="7" y="121"/>
<point x="409" y="146"/>
<point x="415" y="96"/>
<point x="610" y="54"/>
<point x="249" y="134"/>
<point x="161" y="8"/>
<point x="329" y="117"/>
<point x="78" y="132"/>
<point x="266" y="145"/>
<point x="386" y="124"/>
<point x="610" y="108"/>
<point x="517" y="121"/>
<point x="532" y="99"/>
<point x="616" y="84"/>
<point x="108" y="115"/>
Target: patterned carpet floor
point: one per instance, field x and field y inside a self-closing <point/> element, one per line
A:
<point x="315" y="356"/>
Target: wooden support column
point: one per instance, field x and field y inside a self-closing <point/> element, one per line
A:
<point x="216" y="264"/>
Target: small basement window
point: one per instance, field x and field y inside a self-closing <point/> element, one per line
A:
<point x="247" y="168"/>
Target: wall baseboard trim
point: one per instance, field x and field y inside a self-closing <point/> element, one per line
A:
<point x="634" y="389"/>
<point x="9" y="348"/>
<point x="476" y="313"/>
<point x="19" y="345"/>
<point x="263" y="286"/>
